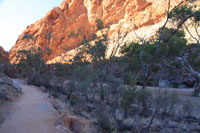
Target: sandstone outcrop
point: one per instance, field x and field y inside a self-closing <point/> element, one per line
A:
<point x="64" y="27"/>
<point x="78" y="125"/>
<point x="3" y="55"/>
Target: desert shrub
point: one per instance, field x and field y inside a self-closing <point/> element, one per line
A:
<point x="87" y="74"/>
<point x="171" y="101"/>
<point x="31" y="64"/>
<point x="131" y="52"/>
<point x="150" y="56"/>
<point x="129" y="79"/>
<point x="162" y="100"/>
<point x="128" y="97"/>
<point x="158" y="100"/>
<point x="103" y="119"/>
<point x="113" y="83"/>
<point x="82" y="72"/>
<point x="75" y="100"/>
<point x="73" y="34"/>
<point x="187" y="107"/>
<point x="144" y="100"/>
<point x="96" y="51"/>
<point x="62" y="69"/>
<point x="70" y="89"/>
<point x="193" y="51"/>
<point x="94" y="78"/>
<point x="28" y="36"/>
<point x="83" y="86"/>
<point x="2" y="69"/>
<point x="102" y="93"/>
<point x="100" y="24"/>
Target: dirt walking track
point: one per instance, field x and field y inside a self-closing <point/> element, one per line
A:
<point x="31" y="113"/>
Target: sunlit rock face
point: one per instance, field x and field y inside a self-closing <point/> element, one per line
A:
<point x="64" y="27"/>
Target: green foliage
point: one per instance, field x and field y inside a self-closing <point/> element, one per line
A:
<point x="96" y="51"/>
<point x="132" y="52"/>
<point x="71" y="87"/>
<point x="193" y="51"/>
<point x="180" y="13"/>
<point x="28" y="36"/>
<point x="31" y="63"/>
<point x="130" y="79"/>
<point x="100" y="24"/>
<point x="93" y="49"/>
<point x="171" y="101"/>
<point x="82" y="73"/>
<point x="176" y="44"/>
<point x="128" y="97"/>
<point x="84" y="86"/>
<point x="103" y="120"/>
<point x="172" y="49"/>
<point x="160" y="101"/>
<point x="197" y="16"/>
<point x="186" y="10"/>
<point x="133" y="49"/>
<point x="62" y="69"/>
<point x="144" y="99"/>
<point x="29" y="59"/>
<point x="73" y="34"/>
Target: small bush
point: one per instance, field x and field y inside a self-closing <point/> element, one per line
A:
<point x="144" y="100"/>
<point x="187" y="107"/>
<point x="81" y="73"/>
<point x="171" y="102"/>
<point x="31" y="64"/>
<point x="162" y="100"/>
<point x="113" y="83"/>
<point x="128" y="97"/>
<point x="100" y="24"/>
<point x="62" y="69"/>
<point x="103" y="119"/>
<point x="70" y="89"/>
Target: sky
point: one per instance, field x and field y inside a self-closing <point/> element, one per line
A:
<point x="16" y="15"/>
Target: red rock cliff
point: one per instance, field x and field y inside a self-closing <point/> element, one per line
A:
<point x="3" y="55"/>
<point x="64" y="27"/>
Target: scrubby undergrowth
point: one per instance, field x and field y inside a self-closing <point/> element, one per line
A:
<point x="104" y="89"/>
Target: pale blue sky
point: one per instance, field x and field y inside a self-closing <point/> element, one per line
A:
<point x="16" y="15"/>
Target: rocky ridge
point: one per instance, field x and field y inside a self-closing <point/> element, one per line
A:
<point x="64" y="27"/>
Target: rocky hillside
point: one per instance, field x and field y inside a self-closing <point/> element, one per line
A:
<point x="64" y="27"/>
<point x="3" y="55"/>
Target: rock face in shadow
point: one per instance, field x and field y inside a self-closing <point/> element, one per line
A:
<point x="64" y="27"/>
<point x="3" y="55"/>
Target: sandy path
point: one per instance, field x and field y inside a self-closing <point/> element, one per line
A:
<point x="31" y="113"/>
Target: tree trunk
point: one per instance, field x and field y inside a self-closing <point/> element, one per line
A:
<point x="197" y="89"/>
<point x="145" y="81"/>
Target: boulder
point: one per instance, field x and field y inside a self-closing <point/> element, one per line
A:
<point x="6" y="80"/>
<point x="7" y="89"/>
<point x="17" y="86"/>
<point x="78" y="125"/>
